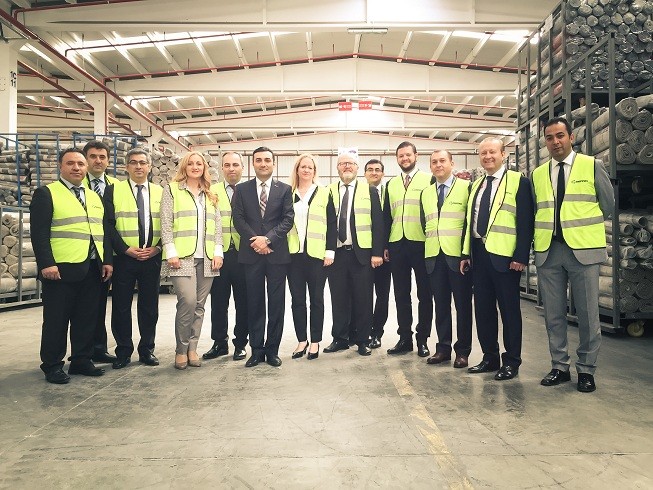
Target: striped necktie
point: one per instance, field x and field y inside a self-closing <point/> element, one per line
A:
<point x="78" y="195"/>
<point x="263" y="201"/>
<point x="96" y="187"/>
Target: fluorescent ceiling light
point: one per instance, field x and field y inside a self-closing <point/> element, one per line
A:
<point x="367" y="30"/>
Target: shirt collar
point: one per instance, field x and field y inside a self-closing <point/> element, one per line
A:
<point x="352" y="183"/>
<point x="91" y="177"/>
<point x="267" y="182"/>
<point x="70" y="185"/>
<point x="447" y="183"/>
<point x="569" y="159"/>
<point x="498" y="175"/>
<point x="134" y="184"/>
<point x="411" y="173"/>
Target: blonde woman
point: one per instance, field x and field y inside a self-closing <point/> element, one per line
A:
<point x="192" y="246"/>
<point x="312" y="245"/>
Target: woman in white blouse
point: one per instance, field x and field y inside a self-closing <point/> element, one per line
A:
<point x="312" y="244"/>
<point x="192" y="246"/>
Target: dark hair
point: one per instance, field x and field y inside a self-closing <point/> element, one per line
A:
<point x="137" y="151"/>
<point x="405" y="144"/>
<point x="66" y="151"/>
<point x="559" y="120"/>
<point x="262" y="149"/>
<point x="446" y="151"/>
<point x="375" y="161"/>
<point x="97" y="145"/>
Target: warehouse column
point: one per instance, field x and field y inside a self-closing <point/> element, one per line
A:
<point x="99" y="101"/>
<point x="9" y="86"/>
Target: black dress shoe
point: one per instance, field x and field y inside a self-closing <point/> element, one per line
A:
<point x="121" y="362"/>
<point x="239" y="354"/>
<point x="423" y="349"/>
<point x="313" y="355"/>
<point x="484" y="367"/>
<point x="336" y="346"/>
<point x="586" y="383"/>
<point x="253" y="361"/>
<point x="148" y="359"/>
<point x="57" y="377"/>
<point x="85" y="369"/>
<point x="439" y="358"/>
<point x="555" y="377"/>
<point x="375" y="343"/>
<point x="506" y="372"/>
<point x="461" y="362"/>
<point x="401" y="347"/>
<point x="216" y="351"/>
<point x="103" y="358"/>
<point x="274" y="361"/>
<point x="300" y="353"/>
<point x="364" y="350"/>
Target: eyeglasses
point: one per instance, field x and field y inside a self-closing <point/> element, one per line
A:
<point x="347" y="164"/>
<point x="140" y="163"/>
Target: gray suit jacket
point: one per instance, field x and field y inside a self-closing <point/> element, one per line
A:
<point x="605" y="196"/>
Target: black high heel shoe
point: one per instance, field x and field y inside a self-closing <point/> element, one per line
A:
<point x="300" y="353"/>
<point x="314" y="355"/>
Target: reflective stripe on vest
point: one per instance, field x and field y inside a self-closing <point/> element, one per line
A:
<point x="404" y="206"/>
<point x="229" y="233"/>
<point x="362" y="211"/>
<point x="501" y="238"/>
<point x="185" y="225"/>
<point x="72" y="227"/>
<point x="446" y="230"/>
<point x="581" y="217"/>
<point x="316" y="226"/>
<point x="126" y="211"/>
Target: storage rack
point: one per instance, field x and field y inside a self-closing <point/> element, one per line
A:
<point x="555" y="90"/>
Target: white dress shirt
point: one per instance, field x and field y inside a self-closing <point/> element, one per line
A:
<point x="300" y="205"/>
<point x="103" y="182"/>
<point x="498" y="175"/>
<point x="146" y="202"/>
<point x="70" y="186"/>
<point x="341" y="192"/>
<point x="268" y="184"/>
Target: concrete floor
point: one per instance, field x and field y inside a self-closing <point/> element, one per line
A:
<point x="340" y="421"/>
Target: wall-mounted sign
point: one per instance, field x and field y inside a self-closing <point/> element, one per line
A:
<point x="364" y="105"/>
<point x="344" y="106"/>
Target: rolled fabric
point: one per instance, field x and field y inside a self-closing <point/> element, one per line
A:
<point x="636" y="140"/>
<point x="645" y="263"/>
<point x="3" y="268"/>
<point x="644" y="102"/>
<point x="622" y="130"/>
<point x="648" y="134"/>
<point x="637" y="220"/>
<point x="645" y="155"/>
<point x="625" y="154"/>
<point x="9" y="219"/>
<point x="642" y="235"/>
<point x="600" y="122"/>
<point x="10" y="241"/>
<point x="642" y="120"/>
<point x="605" y="270"/>
<point x="644" y="289"/>
<point x="633" y="275"/>
<point x="646" y="306"/>
<point x="627" y="108"/>
<point x="28" y="269"/>
<point x="643" y="252"/>
<point x="8" y="283"/>
<point x="4" y="250"/>
<point x="627" y="241"/>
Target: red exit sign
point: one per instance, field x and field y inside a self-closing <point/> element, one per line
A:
<point x="344" y="106"/>
<point x="364" y="105"/>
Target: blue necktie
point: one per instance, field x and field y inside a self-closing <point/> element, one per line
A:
<point x="484" y="209"/>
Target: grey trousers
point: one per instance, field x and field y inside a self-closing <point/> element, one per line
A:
<point x="192" y="292"/>
<point x="560" y="267"/>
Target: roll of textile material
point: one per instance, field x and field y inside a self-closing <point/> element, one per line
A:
<point x="10" y="241"/>
<point x="642" y="235"/>
<point x="4" y="251"/>
<point x="9" y="219"/>
<point x="645" y="263"/>
<point x="648" y="134"/>
<point x="646" y="306"/>
<point x="625" y="228"/>
<point x="644" y="102"/>
<point x="8" y="283"/>
<point x="636" y="219"/>
<point x="625" y="154"/>
<point x="645" y="155"/>
<point x="627" y="241"/>
<point x="636" y="140"/>
<point x="3" y="268"/>
<point x="600" y="122"/>
<point x="28" y="269"/>
<point x="627" y="252"/>
<point x="642" y="120"/>
<point x="628" y="304"/>
<point x="622" y="130"/>
<point x="644" y="289"/>
<point x="605" y="270"/>
<point x="643" y="251"/>
<point x="633" y="275"/>
<point x="579" y="135"/>
<point x="627" y="108"/>
<point x="11" y="259"/>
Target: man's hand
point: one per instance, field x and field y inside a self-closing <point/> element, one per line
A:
<point x="465" y="265"/>
<point x="107" y="272"/>
<point x="386" y="255"/>
<point x="517" y="266"/>
<point x="51" y="273"/>
<point x="149" y="252"/>
<point x="327" y="262"/>
<point x="376" y="262"/>
<point x="258" y="243"/>
<point x="134" y="252"/>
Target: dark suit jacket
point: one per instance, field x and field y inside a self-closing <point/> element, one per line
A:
<point x="525" y="227"/>
<point x="275" y="224"/>
<point x="378" y="230"/>
<point x="41" y="211"/>
<point x="117" y="243"/>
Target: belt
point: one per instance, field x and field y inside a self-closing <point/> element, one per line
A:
<point x="346" y="247"/>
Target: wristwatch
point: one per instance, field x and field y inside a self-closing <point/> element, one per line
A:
<point x="267" y="240"/>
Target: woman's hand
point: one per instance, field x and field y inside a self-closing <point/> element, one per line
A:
<point x="216" y="263"/>
<point x="174" y="263"/>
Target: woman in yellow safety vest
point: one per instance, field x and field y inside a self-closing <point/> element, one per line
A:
<point x="192" y="248"/>
<point x="312" y="245"/>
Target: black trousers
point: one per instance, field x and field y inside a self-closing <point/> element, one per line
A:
<point x="407" y="255"/>
<point x="382" y="276"/>
<point x="127" y="271"/>
<point x="351" y="287"/>
<point x="492" y="287"/>
<point x="74" y="303"/>
<point x="444" y="284"/>
<point x="232" y="277"/>
<point x="100" y="339"/>
<point x="306" y="271"/>
<point x="259" y="275"/>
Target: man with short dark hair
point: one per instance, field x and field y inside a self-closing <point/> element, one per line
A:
<point x="97" y="158"/>
<point x="232" y="274"/>
<point x="263" y="214"/>
<point x="73" y="253"/>
<point x="573" y="196"/>
<point x="374" y="173"/>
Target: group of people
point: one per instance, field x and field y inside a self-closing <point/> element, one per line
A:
<point x="458" y="239"/>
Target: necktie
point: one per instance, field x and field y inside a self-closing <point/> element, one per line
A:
<point x="342" y="217"/>
<point x="140" y="203"/>
<point x="96" y="187"/>
<point x="440" y="196"/>
<point x="78" y="195"/>
<point x="263" y="202"/>
<point x="230" y="195"/>
<point x="560" y="195"/>
<point x="484" y="209"/>
<point x="406" y="181"/>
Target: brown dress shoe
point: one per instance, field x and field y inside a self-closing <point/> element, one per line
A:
<point x="438" y="358"/>
<point x="460" y="362"/>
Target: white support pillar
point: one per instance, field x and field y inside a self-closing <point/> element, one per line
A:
<point x="9" y="86"/>
<point x="100" y="102"/>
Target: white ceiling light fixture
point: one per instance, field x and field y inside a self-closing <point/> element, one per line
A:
<point x="367" y="30"/>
